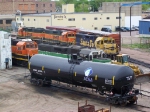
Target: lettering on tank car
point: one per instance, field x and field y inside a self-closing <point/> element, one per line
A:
<point x="34" y="70"/>
<point x="129" y="77"/>
<point x="107" y="81"/>
<point x="38" y="73"/>
<point x="39" y="70"/>
<point x="88" y="72"/>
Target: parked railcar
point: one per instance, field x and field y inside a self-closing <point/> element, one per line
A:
<point x="114" y="81"/>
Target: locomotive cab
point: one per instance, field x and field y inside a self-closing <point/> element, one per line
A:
<point x="23" y="50"/>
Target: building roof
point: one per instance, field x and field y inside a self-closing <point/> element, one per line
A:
<point x="56" y="13"/>
<point x="11" y="16"/>
<point x="145" y="20"/>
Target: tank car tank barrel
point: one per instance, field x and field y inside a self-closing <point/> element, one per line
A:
<point x="117" y="79"/>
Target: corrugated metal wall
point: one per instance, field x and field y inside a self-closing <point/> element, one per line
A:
<point x="144" y="27"/>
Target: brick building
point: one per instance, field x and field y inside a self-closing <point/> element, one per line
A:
<point x="26" y="6"/>
<point x="114" y="7"/>
<point x="5" y="21"/>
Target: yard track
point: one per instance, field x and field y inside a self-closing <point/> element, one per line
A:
<point x="138" y="62"/>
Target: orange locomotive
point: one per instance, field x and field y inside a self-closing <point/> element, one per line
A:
<point x="59" y="36"/>
<point x="23" y="50"/>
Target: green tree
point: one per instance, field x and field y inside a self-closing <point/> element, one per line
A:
<point x="83" y="5"/>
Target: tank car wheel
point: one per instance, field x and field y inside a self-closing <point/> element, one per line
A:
<point x="134" y="99"/>
<point x="40" y="82"/>
<point x="124" y="103"/>
<point x="132" y="102"/>
<point x="48" y="84"/>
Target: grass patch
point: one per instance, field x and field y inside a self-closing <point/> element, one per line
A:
<point x="143" y="46"/>
<point x="137" y="45"/>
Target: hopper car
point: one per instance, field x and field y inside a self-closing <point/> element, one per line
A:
<point x="114" y="81"/>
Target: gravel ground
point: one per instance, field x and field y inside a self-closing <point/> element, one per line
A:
<point x="18" y="95"/>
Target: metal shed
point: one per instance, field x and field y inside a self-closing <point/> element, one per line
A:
<point x="144" y="26"/>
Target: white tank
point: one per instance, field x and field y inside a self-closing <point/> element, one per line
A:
<point x="5" y="50"/>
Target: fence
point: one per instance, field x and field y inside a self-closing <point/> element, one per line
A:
<point x="136" y="42"/>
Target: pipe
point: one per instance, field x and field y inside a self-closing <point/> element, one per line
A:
<point x="119" y="26"/>
<point x="130" y="20"/>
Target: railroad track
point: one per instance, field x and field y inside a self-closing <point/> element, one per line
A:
<point x="89" y="93"/>
<point x="135" y="61"/>
<point x="145" y="93"/>
<point x="85" y="92"/>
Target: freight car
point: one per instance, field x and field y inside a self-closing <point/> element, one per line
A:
<point x="114" y="81"/>
<point x="22" y="50"/>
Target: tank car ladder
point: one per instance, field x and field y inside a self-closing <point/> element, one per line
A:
<point x="71" y="71"/>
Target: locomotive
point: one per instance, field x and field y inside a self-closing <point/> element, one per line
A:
<point x="91" y="39"/>
<point x="114" y="81"/>
<point x="22" y="50"/>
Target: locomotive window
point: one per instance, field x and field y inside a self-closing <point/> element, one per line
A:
<point x="98" y="42"/>
<point x="125" y="59"/>
<point x="105" y="41"/>
<point x="30" y="46"/>
<point x="19" y="48"/>
<point x="69" y="35"/>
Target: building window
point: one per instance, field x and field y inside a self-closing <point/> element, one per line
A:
<point x="71" y="19"/>
<point x="83" y="18"/>
<point x="17" y="18"/>
<point x="50" y="5"/>
<point x="95" y="18"/>
<point x="1" y="21"/>
<point x="50" y="10"/>
<point x="43" y="5"/>
<point x="107" y="18"/>
<point x="95" y="28"/>
<point x="28" y="19"/>
<point x="36" y="5"/>
<point x="47" y="20"/>
<point x="36" y="11"/>
<point x="100" y="18"/>
<point x="22" y="19"/>
<point x="8" y="21"/>
<point x="44" y="11"/>
<point x="118" y="17"/>
<point x="34" y="20"/>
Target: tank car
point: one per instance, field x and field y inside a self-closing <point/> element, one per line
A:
<point x="114" y="81"/>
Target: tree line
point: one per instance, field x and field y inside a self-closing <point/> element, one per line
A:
<point x="93" y="5"/>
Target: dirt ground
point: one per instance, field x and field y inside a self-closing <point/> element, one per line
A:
<point x="18" y="95"/>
